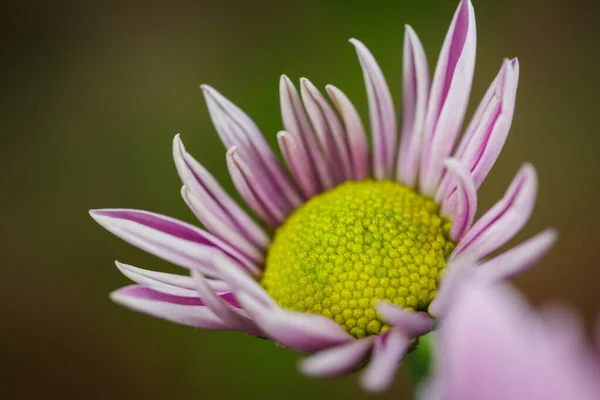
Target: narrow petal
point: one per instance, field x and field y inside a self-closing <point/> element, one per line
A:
<point x="411" y="324"/>
<point x="229" y="314"/>
<point x="254" y="191"/>
<point x="298" y="126"/>
<point x="237" y="129"/>
<point x="416" y="94"/>
<point x="503" y="220"/>
<point x="328" y="129"/>
<point x="220" y="228"/>
<point x="167" y="238"/>
<point x="298" y="331"/>
<point x="449" y="96"/>
<point x="357" y="139"/>
<point x="240" y="281"/>
<point x="457" y="272"/>
<point x="208" y="190"/>
<point x="176" y="285"/>
<point x="162" y="280"/>
<point x="466" y="203"/>
<point x="298" y="164"/>
<point x="519" y="258"/>
<point x="484" y="138"/>
<point x="191" y="313"/>
<point x="381" y="112"/>
<point x="390" y="348"/>
<point x="337" y="361"/>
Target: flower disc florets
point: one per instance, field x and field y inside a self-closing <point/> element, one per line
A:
<point x="361" y="242"/>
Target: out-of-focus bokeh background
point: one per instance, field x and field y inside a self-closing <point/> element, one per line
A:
<point x="92" y="93"/>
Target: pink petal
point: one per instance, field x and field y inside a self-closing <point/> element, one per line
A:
<point x="519" y="258"/>
<point x="449" y="96"/>
<point x="297" y="125"/>
<point x="298" y="164"/>
<point x="236" y="129"/>
<point x="357" y="139"/>
<point x="492" y="345"/>
<point x="216" y="200"/>
<point x="222" y="229"/>
<point x="337" y="361"/>
<point x="487" y="132"/>
<point x="416" y="94"/>
<point x="411" y="324"/>
<point x="168" y="238"/>
<point x="229" y="314"/>
<point x="302" y="332"/>
<point x="381" y="112"/>
<point x="240" y="281"/>
<point x="466" y="204"/>
<point x="329" y="130"/>
<point x="177" y="285"/>
<point x="181" y="310"/>
<point x="254" y="191"/>
<point x="390" y="348"/>
<point x="503" y="220"/>
<point x="457" y="272"/>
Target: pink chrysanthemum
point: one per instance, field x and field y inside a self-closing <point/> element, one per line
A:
<point x="347" y="258"/>
<point x="491" y="345"/>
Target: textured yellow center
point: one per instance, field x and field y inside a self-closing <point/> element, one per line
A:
<point x="361" y="242"/>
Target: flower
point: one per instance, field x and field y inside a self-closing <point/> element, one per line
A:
<point x="361" y="241"/>
<point x="492" y="345"/>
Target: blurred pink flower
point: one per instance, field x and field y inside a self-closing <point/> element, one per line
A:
<point x="493" y="345"/>
<point x="325" y="146"/>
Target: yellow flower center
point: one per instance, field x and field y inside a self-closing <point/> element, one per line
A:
<point x="358" y="243"/>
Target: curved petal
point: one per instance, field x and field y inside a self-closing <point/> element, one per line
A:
<point x="176" y="285"/>
<point x="232" y="316"/>
<point x="215" y="199"/>
<point x="381" y="112"/>
<point x="519" y="258"/>
<point x="329" y="130"/>
<point x="220" y="228"/>
<point x="240" y="281"/>
<point x="416" y="93"/>
<point x="390" y="348"/>
<point x="296" y="123"/>
<point x="457" y="272"/>
<point x="237" y="129"/>
<point x="182" y="310"/>
<point x="412" y="324"/>
<point x="298" y="331"/>
<point x="298" y="164"/>
<point x="253" y="190"/>
<point x="449" y="96"/>
<point x="337" y="361"/>
<point x="503" y="220"/>
<point x="466" y="204"/>
<point x="168" y="238"/>
<point x="357" y="139"/>
<point x="484" y="138"/>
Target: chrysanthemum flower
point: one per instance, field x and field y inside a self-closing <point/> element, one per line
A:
<point x="351" y="246"/>
<point x="491" y="345"/>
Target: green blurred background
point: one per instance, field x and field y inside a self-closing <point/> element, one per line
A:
<point x="92" y="93"/>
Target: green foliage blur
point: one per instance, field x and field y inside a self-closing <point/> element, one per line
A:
<point x="92" y="93"/>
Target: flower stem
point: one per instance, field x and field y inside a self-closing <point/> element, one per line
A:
<point x="419" y="361"/>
